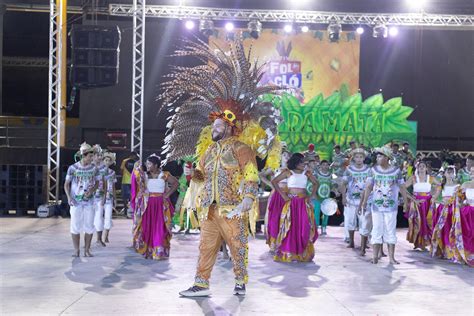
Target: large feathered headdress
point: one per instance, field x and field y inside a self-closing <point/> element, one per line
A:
<point x="226" y="86"/>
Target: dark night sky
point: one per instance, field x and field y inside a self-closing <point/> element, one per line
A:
<point x="431" y="69"/>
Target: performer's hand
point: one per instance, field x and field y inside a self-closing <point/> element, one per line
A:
<point x="247" y="204"/>
<point x="71" y="202"/>
<point x="285" y="197"/>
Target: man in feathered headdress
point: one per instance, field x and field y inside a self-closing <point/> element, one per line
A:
<point x="223" y="90"/>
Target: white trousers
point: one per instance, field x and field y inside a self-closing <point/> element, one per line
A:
<point x="384" y="229"/>
<point x="108" y="207"/>
<point x="365" y="223"/>
<point x="350" y="217"/>
<point x="82" y="219"/>
<point x="99" y="215"/>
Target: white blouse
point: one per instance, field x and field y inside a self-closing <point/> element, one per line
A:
<point x="156" y="185"/>
<point x="422" y="187"/>
<point x="449" y="191"/>
<point x="297" y="181"/>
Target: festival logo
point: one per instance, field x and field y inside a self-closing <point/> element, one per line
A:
<point x="285" y="72"/>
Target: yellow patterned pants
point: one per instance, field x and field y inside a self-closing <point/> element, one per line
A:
<point x="214" y="230"/>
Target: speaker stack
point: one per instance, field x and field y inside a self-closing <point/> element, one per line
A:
<point x="95" y="56"/>
<point x="22" y="188"/>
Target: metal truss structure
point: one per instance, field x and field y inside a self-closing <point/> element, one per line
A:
<point x="294" y="16"/>
<point x="436" y="154"/>
<point x="138" y="76"/>
<point x="54" y="99"/>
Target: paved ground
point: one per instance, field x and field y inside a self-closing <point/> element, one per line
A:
<point x="38" y="276"/>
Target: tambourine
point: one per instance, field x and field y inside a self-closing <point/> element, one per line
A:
<point x="329" y="207"/>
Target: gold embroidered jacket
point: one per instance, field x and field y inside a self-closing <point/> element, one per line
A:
<point x="228" y="172"/>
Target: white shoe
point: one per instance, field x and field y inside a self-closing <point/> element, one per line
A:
<point x="195" y="291"/>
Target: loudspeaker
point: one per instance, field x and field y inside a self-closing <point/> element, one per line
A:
<point x="22" y="188"/>
<point x="95" y="56"/>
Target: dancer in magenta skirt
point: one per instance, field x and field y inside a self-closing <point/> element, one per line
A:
<point x="276" y="202"/>
<point x="297" y="229"/>
<point x="152" y="209"/>
<point x="420" y="214"/>
<point x="442" y="245"/>
<point x="467" y="219"/>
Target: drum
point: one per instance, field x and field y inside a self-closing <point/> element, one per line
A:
<point x="329" y="207"/>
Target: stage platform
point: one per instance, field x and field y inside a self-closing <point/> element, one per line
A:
<point x="39" y="277"/>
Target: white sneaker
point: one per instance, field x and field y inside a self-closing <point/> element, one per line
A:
<point x="195" y="291"/>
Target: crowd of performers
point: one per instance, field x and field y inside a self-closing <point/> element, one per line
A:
<point x="90" y="190"/>
<point x="371" y="183"/>
<point x="220" y="194"/>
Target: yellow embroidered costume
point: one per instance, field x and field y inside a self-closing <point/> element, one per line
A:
<point x="225" y="88"/>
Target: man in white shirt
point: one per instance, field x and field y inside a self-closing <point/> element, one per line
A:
<point x="80" y="185"/>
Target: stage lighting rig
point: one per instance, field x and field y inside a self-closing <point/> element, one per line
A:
<point x="416" y="4"/>
<point x="206" y="27"/>
<point x="393" y="31"/>
<point x="255" y="28"/>
<point x="380" y="30"/>
<point x="334" y="30"/>
<point x="229" y="26"/>
<point x="189" y="24"/>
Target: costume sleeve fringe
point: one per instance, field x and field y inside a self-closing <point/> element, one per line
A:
<point x="274" y="155"/>
<point x="204" y="141"/>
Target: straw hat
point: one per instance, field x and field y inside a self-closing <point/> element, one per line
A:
<point x="110" y="155"/>
<point x="359" y="151"/>
<point x="85" y="148"/>
<point x="385" y="150"/>
<point x="97" y="149"/>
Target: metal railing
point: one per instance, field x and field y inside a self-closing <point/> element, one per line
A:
<point x="23" y="131"/>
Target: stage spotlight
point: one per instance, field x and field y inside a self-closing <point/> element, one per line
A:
<point x="206" y="27"/>
<point x="334" y="30"/>
<point x="288" y="28"/>
<point x="360" y="30"/>
<point x="189" y="24"/>
<point x="393" y="31"/>
<point x="255" y="28"/>
<point x="229" y="26"/>
<point x="304" y="29"/>
<point x="416" y="4"/>
<point x="380" y="30"/>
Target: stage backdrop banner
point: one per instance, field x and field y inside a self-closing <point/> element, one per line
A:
<point x="341" y="118"/>
<point x="322" y="106"/>
<point x="307" y="63"/>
